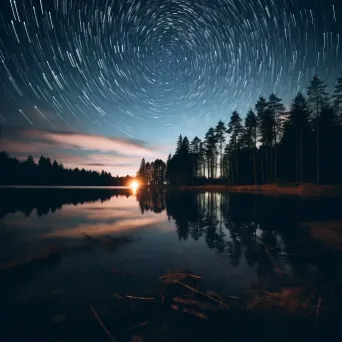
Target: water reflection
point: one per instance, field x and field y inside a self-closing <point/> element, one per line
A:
<point x="229" y="222"/>
<point x="221" y="237"/>
<point x="263" y="231"/>
<point x="235" y="226"/>
<point x="45" y="200"/>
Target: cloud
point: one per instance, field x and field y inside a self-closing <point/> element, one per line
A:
<point x="98" y="143"/>
<point x="102" y="228"/>
<point x="74" y="149"/>
<point x="96" y="164"/>
<point x="83" y="141"/>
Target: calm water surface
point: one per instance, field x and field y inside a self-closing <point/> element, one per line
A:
<point x="220" y="237"/>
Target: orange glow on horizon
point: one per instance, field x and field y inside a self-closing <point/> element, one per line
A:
<point x="134" y="186"/>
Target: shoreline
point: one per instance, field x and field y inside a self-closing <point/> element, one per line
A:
<point x="266" y="189"/>
<point x="302" y="189"/>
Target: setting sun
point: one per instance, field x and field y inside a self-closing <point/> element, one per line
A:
<point x="134" y="185"/>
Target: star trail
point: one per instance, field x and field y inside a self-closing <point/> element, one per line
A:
<point x="152" y="68"/>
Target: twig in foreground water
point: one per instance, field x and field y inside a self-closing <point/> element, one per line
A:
<point x="203" y="294"/>
<point x="102" y="325"/>
<point x="177" y="275"/>
<point x="142" y="324"/>
<point x="140" y="298"/>
<point x="87" y="236"/>
<point x="318" y="306"/>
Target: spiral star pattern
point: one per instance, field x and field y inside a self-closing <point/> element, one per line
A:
<point x="138" y="66"/>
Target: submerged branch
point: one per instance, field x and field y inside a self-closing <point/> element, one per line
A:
<point x="142" y="324"/>
<point x="140" y="298"/>
<point x="102" y="325"/>
<point x="202" y="293"/>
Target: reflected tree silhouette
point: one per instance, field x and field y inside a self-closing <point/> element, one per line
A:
<point x="45" y="200"/>
<point x="151" y="200"/>
<point x="245" y="228"/>
<point x="242" y="225"/>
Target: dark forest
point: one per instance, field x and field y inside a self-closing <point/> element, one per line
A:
<point x="271" y="145"/>
<point x="45" y="172"/>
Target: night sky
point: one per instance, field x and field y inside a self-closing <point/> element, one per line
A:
<point x="101" y="83"/>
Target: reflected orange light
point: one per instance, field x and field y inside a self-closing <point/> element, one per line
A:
<point x="134" y="186"/>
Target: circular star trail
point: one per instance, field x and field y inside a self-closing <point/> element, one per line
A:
<point x="138" y="65"/>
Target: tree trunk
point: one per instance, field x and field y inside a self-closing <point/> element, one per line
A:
<point x="254" y="165"/>
<point x="212" y="167"/>
<point x="232" y="172"/>
<point x="317" y="156"/>
<point x="266" y="165"/>
<point x="317" y="143"/>
<point x="237" y="166"/>
<point x="296" y="164"/>
<point x="271" y="164"/>
<point x="208" y="167"/>
<point x="275" y="150"/>
<point x="275" y="161"/>
<point x="221" y="161"/>
<point x="254" y="156"/>
<point x="262" y="169"/>
<point x="327" y="166"/>
<point x="301" y="157"/>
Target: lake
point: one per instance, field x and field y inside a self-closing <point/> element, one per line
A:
<point x="220" y="237"/>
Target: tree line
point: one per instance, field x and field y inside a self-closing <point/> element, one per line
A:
<point x="270" y="145"/>
<point x="45" y="172"/>
<point x="153" y="173"/>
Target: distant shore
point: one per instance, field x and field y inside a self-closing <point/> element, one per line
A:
<point x="275" y="189"/>
<point x="290" y="189"/>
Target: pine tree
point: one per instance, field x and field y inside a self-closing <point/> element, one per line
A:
<point x="210" y="151"/>
<point x="266" y="132"/>
<point x="202" y="158"/>
<point x="277" y="110"/>
<point x="337" y="100"/>
<point x="318" y="99"/>
<point x="168" y="169"/>
<point x="297" y="135"/>
<point x="185" y="146"/>
<point x="337" y="104"/>
<point x="226" y="161"/>
<point x="251" y="126"/>
<point x="158" y="172"/>
<point x="141" y="174"/>
<point x="235" y="131"/>
<point x="220" y="131"/>
<point x="179" y="144"/>
<point x="148" y="173"/>
<point x="327" y="128"/>
<point x="195" y="149"/>
<point x="186" y="162"/>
